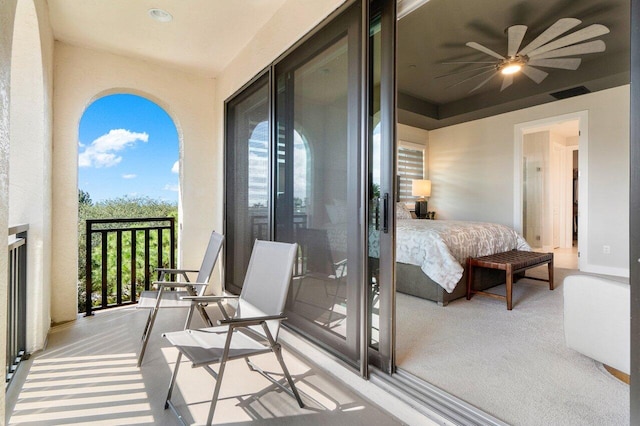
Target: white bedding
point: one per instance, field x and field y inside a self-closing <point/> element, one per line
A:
<point x="441" y="247"/>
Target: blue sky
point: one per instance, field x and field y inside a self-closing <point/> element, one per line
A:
<point x="128" y="146"/>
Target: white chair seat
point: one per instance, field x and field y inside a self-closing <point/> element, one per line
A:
<point x="206" y="345"/>
<point x="170" y="299"/>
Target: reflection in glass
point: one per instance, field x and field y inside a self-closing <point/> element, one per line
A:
<point x="247" y="178"/>
<point x="312" y="168"/>
<point x="375" y="167"/>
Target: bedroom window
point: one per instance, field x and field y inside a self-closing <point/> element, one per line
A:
<point x="411" y="161"/>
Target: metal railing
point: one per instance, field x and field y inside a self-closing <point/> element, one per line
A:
<point x="125" y="252"/>
<point x="16" y="300"/>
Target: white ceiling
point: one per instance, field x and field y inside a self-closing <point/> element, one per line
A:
<point x="203" y="37"/>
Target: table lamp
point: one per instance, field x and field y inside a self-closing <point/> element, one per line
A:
<point x="421" y="188"/>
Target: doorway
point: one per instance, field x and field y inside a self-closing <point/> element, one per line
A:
<point x="550" y="153"/>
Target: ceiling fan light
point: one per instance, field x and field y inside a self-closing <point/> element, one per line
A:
<point x="511" y="69"/>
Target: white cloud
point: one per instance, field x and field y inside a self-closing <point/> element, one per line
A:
<point x="176" y="167"/>
<point x="129" y="176"/>
<point x="102" y="151"/>
<point x="172" y="187"/>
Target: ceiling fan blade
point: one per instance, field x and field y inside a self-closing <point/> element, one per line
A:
<point x="534" y="73"/>
<point x="481" y="48"/>
<point x="464" y="71"/>
<point x="591" y="31"/>
<point x="516" y="34"/>
<point x="470" y="78"/>
<point x="483" y="82"/>
<point x="560" y="27"/>
<point x="506" y="82"/>
<point x="561" y="63"/>
<point x="577" y="49"/>
<point x="467" y="62"/>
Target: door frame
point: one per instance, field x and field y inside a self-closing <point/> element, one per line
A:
<point x="583" y="178"/>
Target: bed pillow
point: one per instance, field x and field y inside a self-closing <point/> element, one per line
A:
<point x="402" y="212"/>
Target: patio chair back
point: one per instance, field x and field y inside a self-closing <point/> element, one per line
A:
<point x="266" y="283"/>
<point x="209" y="260"/>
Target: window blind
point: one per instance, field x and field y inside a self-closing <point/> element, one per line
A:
<point x="410" y="166"/>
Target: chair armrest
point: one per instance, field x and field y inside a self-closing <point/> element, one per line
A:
<point x="175" y="271"/>
<point x="208" y="298"/>
<point x="245" y="322"/>
<point x="176" y="284"/>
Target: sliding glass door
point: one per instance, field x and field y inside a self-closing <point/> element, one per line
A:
<point x="309" y="159"/>
<point x="317" y="178"/>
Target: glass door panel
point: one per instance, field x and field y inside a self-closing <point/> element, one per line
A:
<point x="247" y="178"/>
<point x="317" y="180"/>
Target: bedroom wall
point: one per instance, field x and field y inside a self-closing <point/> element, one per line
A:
<point x="471" y="166"/>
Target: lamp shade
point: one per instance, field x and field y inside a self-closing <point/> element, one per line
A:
<point x="421" y="187"/>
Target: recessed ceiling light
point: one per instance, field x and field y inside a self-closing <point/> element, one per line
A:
<point x="160" y="15"/>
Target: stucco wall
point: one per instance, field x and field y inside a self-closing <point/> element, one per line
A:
<point x="30" y="157"/>
<point x="7" y="12"/>
<point x="472" y="169"/>
<point x="82" y="76"/>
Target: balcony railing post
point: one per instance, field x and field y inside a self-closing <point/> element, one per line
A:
<point x="88" y="270"/>
<point x="172" y="242"/>
<point x="16" y="339"/>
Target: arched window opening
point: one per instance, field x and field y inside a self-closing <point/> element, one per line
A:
<point x="128" y="168"/>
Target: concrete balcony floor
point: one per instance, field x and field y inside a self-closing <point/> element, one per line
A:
<point x="87" y="374"/>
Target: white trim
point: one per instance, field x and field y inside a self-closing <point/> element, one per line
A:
<point x="583" y="224"/>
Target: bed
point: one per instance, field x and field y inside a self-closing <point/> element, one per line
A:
<point x="431" y="255"/>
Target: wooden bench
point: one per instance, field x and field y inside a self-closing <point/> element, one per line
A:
<point x="512" y="262"/>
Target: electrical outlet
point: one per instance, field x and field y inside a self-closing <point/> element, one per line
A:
<point x="606" y="249"/>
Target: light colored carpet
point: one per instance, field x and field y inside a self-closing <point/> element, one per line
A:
<point x="512" y="364"/>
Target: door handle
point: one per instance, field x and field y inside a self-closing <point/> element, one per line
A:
<point x="385" y="213"/>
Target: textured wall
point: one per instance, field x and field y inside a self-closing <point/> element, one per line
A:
<point x="7" y="12"/>
<point x="83" y="75"/>
<point x="30" y="157"/>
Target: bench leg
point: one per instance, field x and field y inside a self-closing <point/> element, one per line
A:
<point x="469" y="279"/>
<point x="509" y="277"/>
<point x="551" y="275"/>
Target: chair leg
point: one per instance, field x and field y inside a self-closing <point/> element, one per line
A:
<point x="277" y="350"/>
<point x="147" y="332"/>
<point x="173" y="380"/>
<point x="218" y="376"/>
<point x="204" y="315"/>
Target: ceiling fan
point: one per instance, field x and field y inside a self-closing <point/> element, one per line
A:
<point x="546" y="51"/>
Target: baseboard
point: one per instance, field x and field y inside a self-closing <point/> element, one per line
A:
<point x="606" y="270"/>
